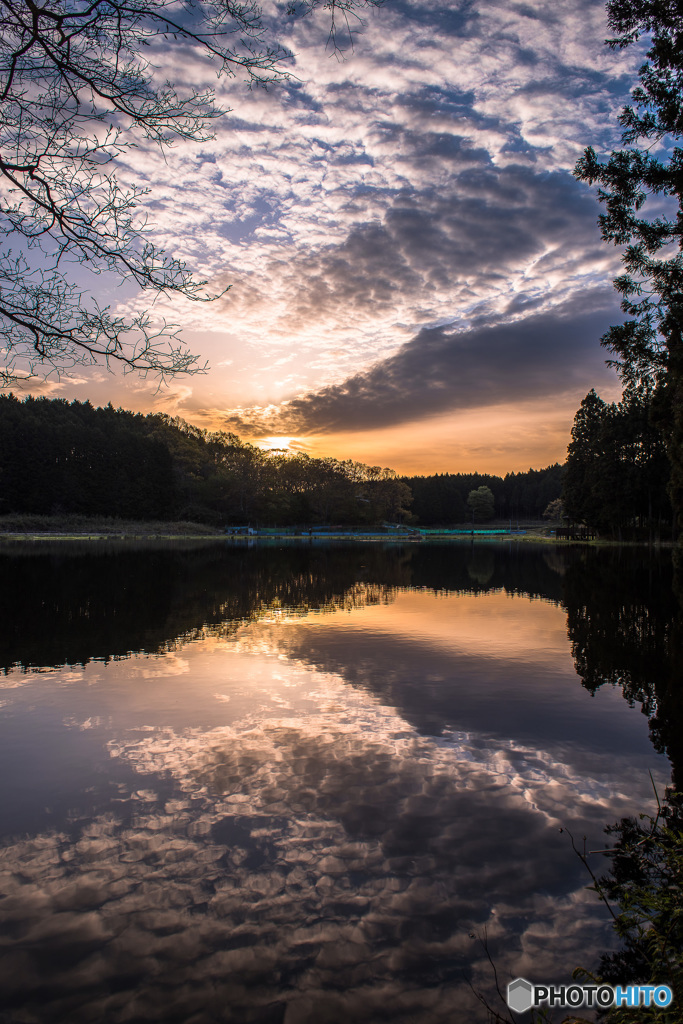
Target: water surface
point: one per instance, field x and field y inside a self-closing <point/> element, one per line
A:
<point x="311" y="783"/>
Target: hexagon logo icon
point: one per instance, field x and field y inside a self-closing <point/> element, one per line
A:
<point x="520" y="995"/>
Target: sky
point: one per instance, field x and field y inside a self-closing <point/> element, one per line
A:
<point x="415" y="279"/>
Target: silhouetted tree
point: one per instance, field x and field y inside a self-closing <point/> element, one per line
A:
<point x="649" y="345"/>
<point x="441" y="499"/>
<point x="617" y="467"/>
<point x="60" y="457"/>
<point x="76" y="92"/>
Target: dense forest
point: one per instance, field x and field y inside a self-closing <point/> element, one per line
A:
<point x="64" y="458"/>
<point x="617" y="472"/>
<point x="69" y="458"/>
<point x="442" y="498"/>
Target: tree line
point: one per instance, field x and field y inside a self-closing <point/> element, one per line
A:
<point x="61" y="458"/>
<point x="70" y="458"/>
<point x="443" y="498"/>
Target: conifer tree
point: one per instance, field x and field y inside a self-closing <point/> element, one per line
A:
<point x="641" y="187"/>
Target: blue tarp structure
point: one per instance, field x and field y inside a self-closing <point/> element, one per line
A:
<point x="393" y="532"/>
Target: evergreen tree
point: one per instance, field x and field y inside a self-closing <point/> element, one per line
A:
<point x="617" y="469"/>
<point x="582" y="475"/>
<point x="649" y="345"/>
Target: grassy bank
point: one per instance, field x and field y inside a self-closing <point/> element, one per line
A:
<point x="26" y="527"/>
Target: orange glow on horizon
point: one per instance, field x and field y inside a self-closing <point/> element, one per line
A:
<point x="498" y="440"/>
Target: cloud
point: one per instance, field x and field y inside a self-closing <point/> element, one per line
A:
<point x="441" y="369"/>
<point x="357" y="209"/>
<point x="425" y="98"/>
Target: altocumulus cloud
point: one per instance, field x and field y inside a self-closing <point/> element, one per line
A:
<point x="425" y="181"/>
<point x="451" y="245"/>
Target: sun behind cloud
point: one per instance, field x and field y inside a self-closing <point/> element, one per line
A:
<point x="272" y="444"/>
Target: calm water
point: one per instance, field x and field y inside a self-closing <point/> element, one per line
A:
<point x="307" y="784"/>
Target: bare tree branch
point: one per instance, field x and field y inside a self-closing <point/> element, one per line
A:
<point x="75" y="93"/>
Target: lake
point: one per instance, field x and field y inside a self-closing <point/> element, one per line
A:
<point x="318" y="782"/>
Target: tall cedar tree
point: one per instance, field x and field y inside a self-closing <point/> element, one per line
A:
<point x="649" y="345"/>
<point x="616" y="470"/>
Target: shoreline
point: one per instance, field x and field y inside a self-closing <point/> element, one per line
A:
<point x="529" y="537"/>
<point x="45" y="529"/>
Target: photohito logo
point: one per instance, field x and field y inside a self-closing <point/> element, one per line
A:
<point x="523" y="996"/>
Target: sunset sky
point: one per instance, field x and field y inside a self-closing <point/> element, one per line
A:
<point x="416" y="279"/>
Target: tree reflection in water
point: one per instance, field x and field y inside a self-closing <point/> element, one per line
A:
<point x="624" y="623"/>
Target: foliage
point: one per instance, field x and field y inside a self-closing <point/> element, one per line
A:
<point x="582" y="477"/>
<point x="65" y="458"/>
<point x="70" y="458"/>
<point x="617" y="469"/>
<point x="440" y="499"/>
<point x="555" y="510"/>
<point x="480" y="501"/>
<point x="644" y="893"/>
<point x="649" y="345"/>
<point x="76" y="94"/>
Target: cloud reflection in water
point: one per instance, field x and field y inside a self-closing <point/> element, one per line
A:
<point x="318" y="858"/>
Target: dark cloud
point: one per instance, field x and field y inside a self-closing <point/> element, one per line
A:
<point x="444" y="247"/>
<point x="442" y="369"/>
